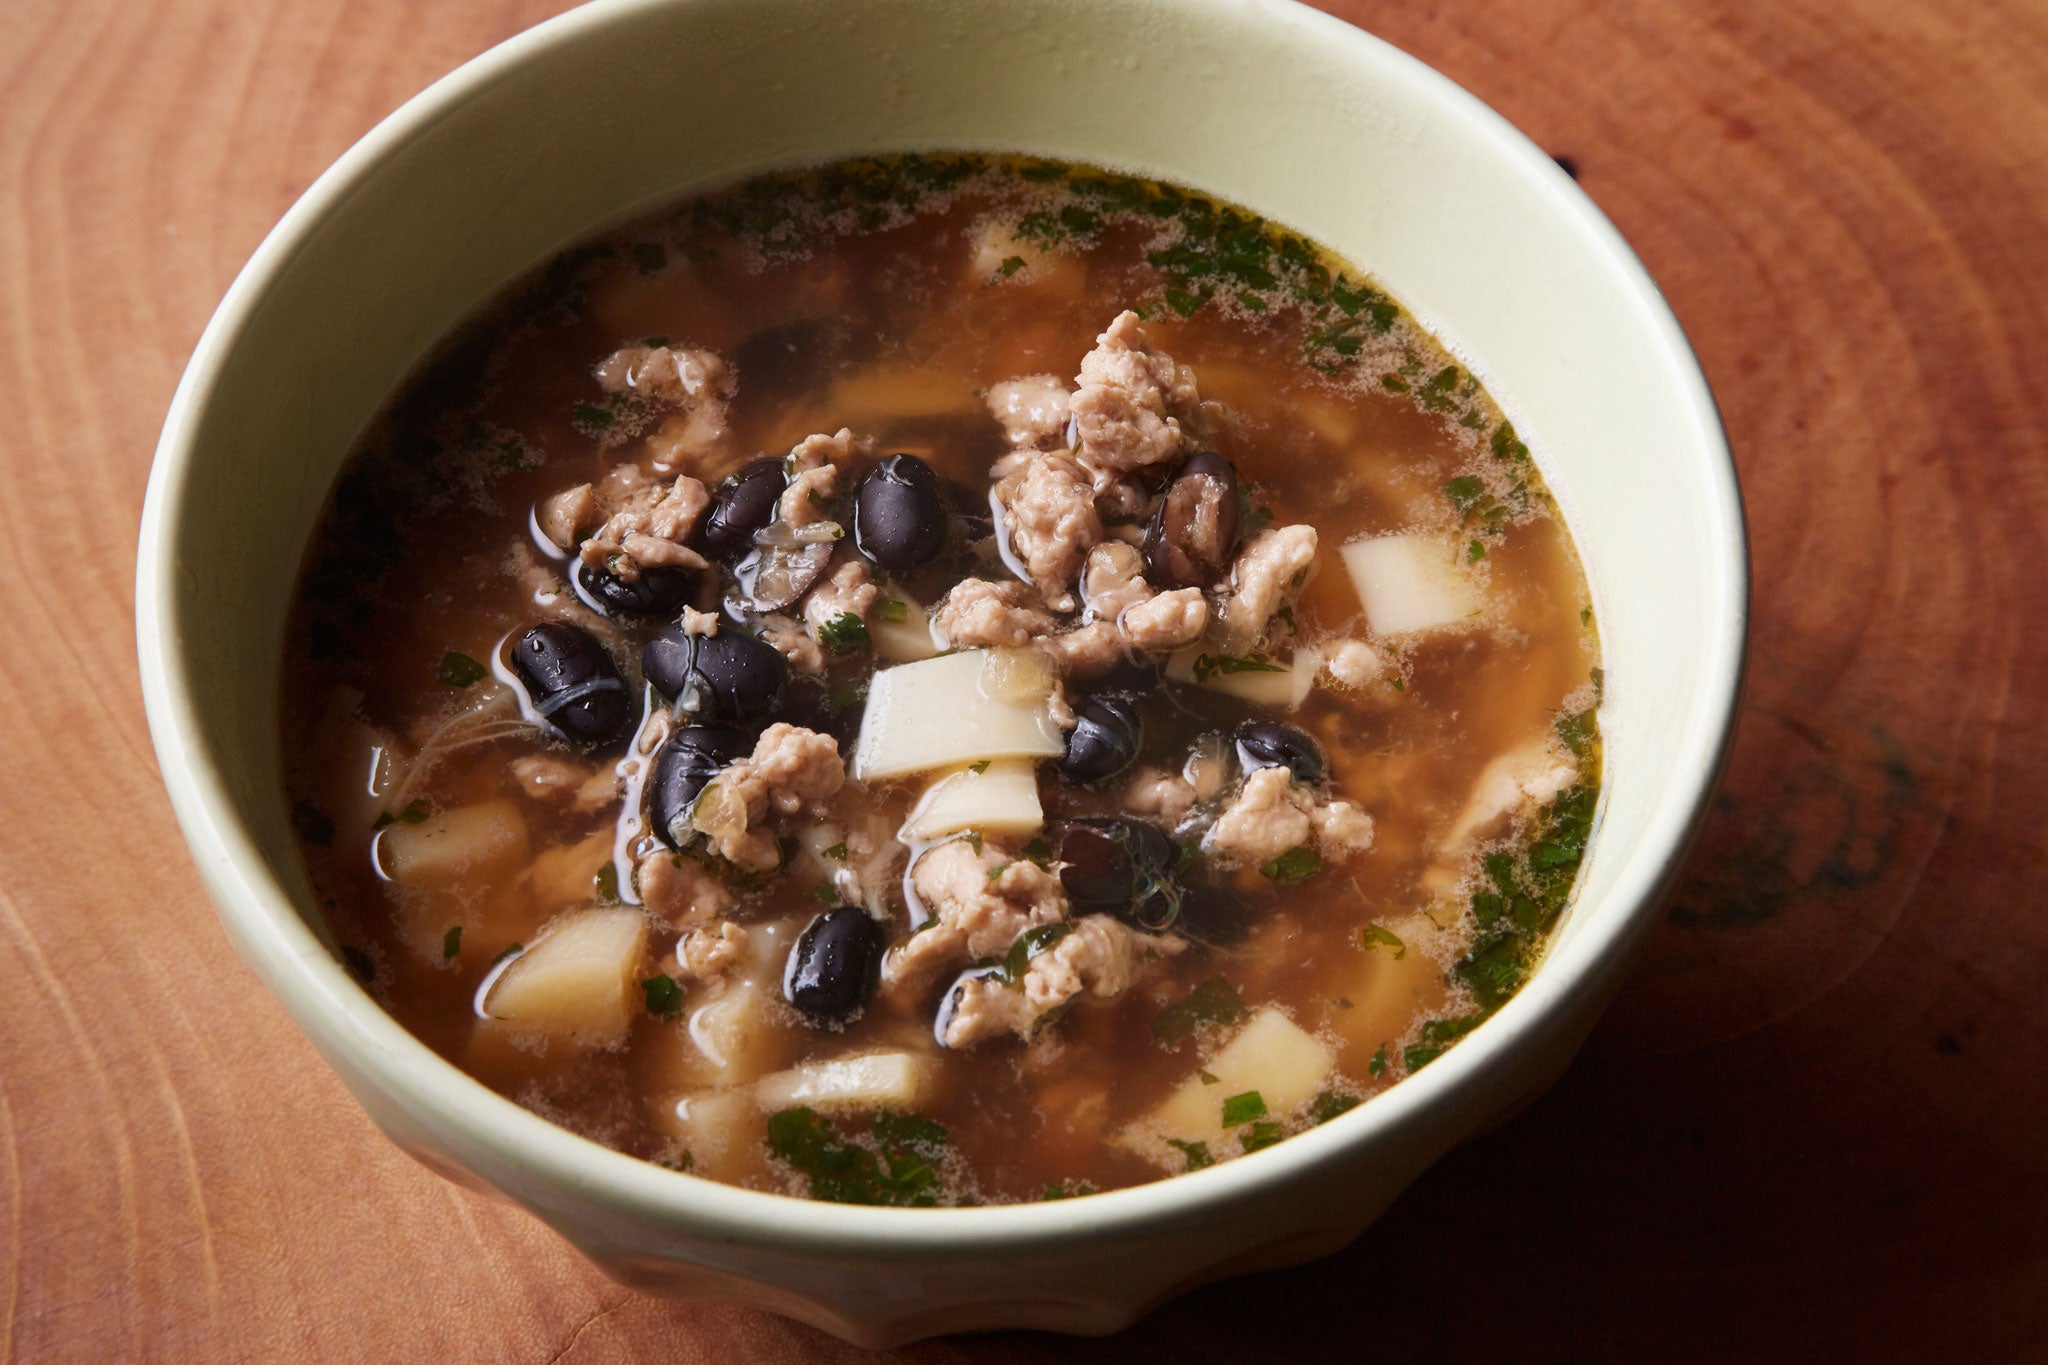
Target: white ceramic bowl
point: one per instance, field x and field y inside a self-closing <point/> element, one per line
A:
<point x="609" y="109"/>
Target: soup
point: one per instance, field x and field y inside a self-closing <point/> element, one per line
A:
<point x="942" y="680"/>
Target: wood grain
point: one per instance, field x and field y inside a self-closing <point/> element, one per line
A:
<point x="1813" y="1126"/>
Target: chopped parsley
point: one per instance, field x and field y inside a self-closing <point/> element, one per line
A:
<point x="1206" y="1077"/>
<point x="837" y="853"/>
<point x="1330" y="1103"/>
<point x="1028" y="945"/>
<point x="1197" y="1153"/>
<point x="844" y="633"/>
<point x="664" y="996"/>
<point x="359" y="964"/>
<point x="606" y="883"/>
<point x="1038" y="851"/>
<point x="459" y="670"/>
<point x="1379" y="936"/>
<point x="896" y="1165"/>
<point x="511" y="950"/>
<point x="592" y="415"/>
<point x="893" y="610"/>
<point x="1065" y="1191"/>
<point x="1435" y="1039"/>
<point x="1260" y="1136"/>
<point x="1378" y="1065"/>
<point x="1213" y="1002"/>
<point x="451" y="943"/>
<point x="824" y="894"/>
<point x="1294" y="866"/>
<point x="415" y="813"/>
<point x="1475" y="552"/>
<point x="1579" y="731"/>
<point x="1243" y="1108"/>
<point x="1010" y="266"/>
<point x="1208" y="666"/>
<point x="978" y="768"/>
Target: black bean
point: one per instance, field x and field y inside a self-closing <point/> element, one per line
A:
<point x="722" y="677"/>
<point x="1269" y="744"/>
<point x="572" y="683"/>
<point x="741" y="505"/>
<point x="832" y="970"/>
<point x="691" y="758"/>
<point x="899" y="516"/>
<point x="1189" y="540"/>
<point x="1105" y="740"/>
<point x="656" y="592"/>
<point x="1127" y="867"/>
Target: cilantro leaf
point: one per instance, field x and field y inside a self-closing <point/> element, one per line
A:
<point x="664" y="996"/>
<point x="451" y="943"/>
<point x="1379" y="936"/>
<point x="459" y="670"/>
<point x="844" y="633"/>
<point x="1197" y="1153"/>
<point x="1243" y="1108"/>
<point x="1293" y="867"/>
<point x="1213" y="1002"/>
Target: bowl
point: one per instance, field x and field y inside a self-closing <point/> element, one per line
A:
<point x="610" y="109"/>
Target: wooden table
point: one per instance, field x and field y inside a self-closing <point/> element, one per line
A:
<point x="1814" y="1125"/>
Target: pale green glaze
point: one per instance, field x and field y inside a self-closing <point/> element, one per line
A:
<point x="611" y="108"/>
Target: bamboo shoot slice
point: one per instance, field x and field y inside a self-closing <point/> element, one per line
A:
<point x="877" y="1080"/>
<point x="937" y="714"/>
<point x="1002" y="798"/>
<point x="1412" y="582"/>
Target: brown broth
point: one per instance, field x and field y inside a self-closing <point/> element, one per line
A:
<point x="876" y="316"/>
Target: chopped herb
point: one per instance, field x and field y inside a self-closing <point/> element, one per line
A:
<point x="1474" y="552"/>
<point x="359" y="964"/>
<point x="664" y="996"/>
<point x="1038" y="851"/>
<point x="1254" y="521"/>
<point x="1294" y="866"/>
<point x="1599" y="679"/>
<point x="606" y="883"/>
<point x="1260" y="1136"/>
<point x="824" y="894"/>
<point x="591" y="415"/>
<point x="978" y="768"/>
<point x="511" y="950"/>
<point x="1378" y="1065"/>
<point x="459" y="670"/>
<point x="973" y="838"/>
<point x="1506" y="445"/>
<point x="684" y="1162"/>
<point x="893" y="610"/>
<point x="1379" y="936"/>
<point x="1010" y="266"/>
<point x="1436" y="1038"/>
<point x="844" y="633"/>
<point x="1028" y="945"/>
<point x="1206" y="1077"/>
<point x="1343" y="1002"/>
<point x="1197" y="1153"/>
<point x="1190" y="854"/>
<point x="998" y="870"/>
<point x="1579" y="731"/>
<point x="451" y="943"/>
<point x="415" y="813"/>
<point x="1213" y="1002"/>
<point x="837" y="853"/>
<point x="1208" y="666"/>
<point x="1066" y="1191"/>
<point x="1184" y="303"/>
<point x="1329" y="1104"/>
<point x="1393" y="383"/>
<point x="313" y="824"/>
<point x="1243" y="1108"/>
<point x="897" y="1169"/>
<point x="1585" y="616"/>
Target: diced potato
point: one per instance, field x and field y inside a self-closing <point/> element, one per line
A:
<point x="1389" y="993"/>
<point x="877" y="1080"/>
<point x="1412" y="582"/>
<point x="578" y="981"/>
<point x="1000" y="799"/>
<point x="1285" y="689"/>
<point x="474" y="843"/>
<point x="937" y="714"/>
<point x="567" y="875"/>
<point x="904" y="641"/>
<point x="1270" y="1054"/>
<point x="726" y="1040"/>
<point x="720" y="1129"/>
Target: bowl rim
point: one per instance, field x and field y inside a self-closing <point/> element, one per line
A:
<point x="340" y="1016"/>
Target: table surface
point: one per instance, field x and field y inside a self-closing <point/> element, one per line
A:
<point x="1812" y="1126"/>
